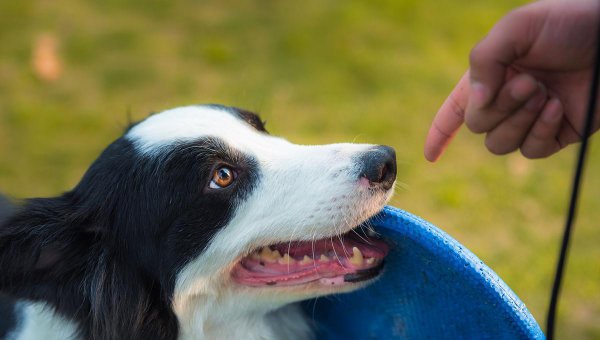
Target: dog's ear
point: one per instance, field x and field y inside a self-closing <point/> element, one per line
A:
<point x="18" y="256"/>
<point x="49" y="255"/>
<point x="37" y="239"/>
<point x="6" y="209"/>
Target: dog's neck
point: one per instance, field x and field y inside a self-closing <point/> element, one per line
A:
<point x="231" y="316"/>
<point x="202" y="322"/>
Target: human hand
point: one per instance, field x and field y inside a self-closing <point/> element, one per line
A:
<point x="528" y="83"/>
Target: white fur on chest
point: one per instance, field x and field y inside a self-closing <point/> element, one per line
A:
<point x="232" y="320"/>
<point x="39" y="321"/>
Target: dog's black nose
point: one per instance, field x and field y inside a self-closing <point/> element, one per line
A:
<point x="379" y="166"/>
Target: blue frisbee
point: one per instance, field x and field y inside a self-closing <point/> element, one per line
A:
<point x="432" y="288"/>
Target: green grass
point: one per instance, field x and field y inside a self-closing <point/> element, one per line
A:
<point x="319" y="72"/>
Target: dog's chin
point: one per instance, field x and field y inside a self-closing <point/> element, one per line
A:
<point x="302" y="269"/>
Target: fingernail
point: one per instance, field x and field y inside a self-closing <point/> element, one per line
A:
<point x="535" y="104"/>
<point x="552" y="114"/>
<point x="479" y="95"/>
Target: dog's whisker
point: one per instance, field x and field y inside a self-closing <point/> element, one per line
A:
<point x="313" y="248"/>
<point x="340" y="236"/>
<point x="336" y="255"/>
<point x="314" y="307"/>
<point x="344" y="247"/>
<point x="290" y="246"/>
<point x="338" y="232"/>
<point x="362" y="238"/>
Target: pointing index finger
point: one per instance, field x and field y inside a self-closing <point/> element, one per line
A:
<point x="448" y="120"/>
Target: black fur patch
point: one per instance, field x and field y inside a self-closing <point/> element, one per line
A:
<point x="8" y="320"/>
<point x="107" y="253"/>
<point x="249" y="117"/>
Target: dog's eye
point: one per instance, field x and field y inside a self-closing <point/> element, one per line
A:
<point x="222" y="177"/>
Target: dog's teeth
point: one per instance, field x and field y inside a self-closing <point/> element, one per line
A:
<point x="357" y="257"/>
<point x="286" y="259"/>
<point x="265" y="253"/>
<point x="306" y="260"/>
<point x="324" y="258"/>
<point x="370" y="260"/>
<point x="269" y="255"/>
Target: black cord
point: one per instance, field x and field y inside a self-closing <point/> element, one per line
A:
<point x="587" y="130"/>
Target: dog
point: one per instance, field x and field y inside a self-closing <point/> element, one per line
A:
<point x="195" y="224"/>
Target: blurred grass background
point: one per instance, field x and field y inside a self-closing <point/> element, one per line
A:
<point x="319" y="72"/>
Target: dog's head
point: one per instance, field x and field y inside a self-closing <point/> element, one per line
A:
<point x="202" y="200"/>
<point x="233" y="208"/>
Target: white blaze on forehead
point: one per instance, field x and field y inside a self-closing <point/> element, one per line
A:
<point x="188" y="123"/>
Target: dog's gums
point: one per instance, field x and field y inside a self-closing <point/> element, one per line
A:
<point x="330" y="261"/>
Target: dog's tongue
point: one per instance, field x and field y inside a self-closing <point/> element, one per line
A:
<point x="332" y="261"/>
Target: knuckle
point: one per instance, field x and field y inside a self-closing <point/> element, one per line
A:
<point x="518" y="14"/>
<point x="476" y="54"/>
<point x="456" y="108"/>
<point x="516" y="17"/>
<point x="506" y="106"/>
<point x="540" y="133"/>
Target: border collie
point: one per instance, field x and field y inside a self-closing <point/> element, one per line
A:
<point x="196" y="223"/>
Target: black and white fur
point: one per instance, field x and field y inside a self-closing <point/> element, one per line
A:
<point x="142" y="247"/>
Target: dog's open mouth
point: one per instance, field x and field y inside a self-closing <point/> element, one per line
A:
<point x="352" y="257"/>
